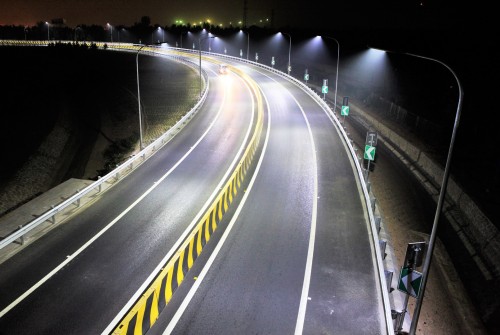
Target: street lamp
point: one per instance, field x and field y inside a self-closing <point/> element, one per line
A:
<point x="442" y="193"/>
<point x="76" y="29"/>
<point x="289" y="53"/>
<point x="139" y="95"/>
<point x="182" y="33"/>
<point x="248" y="43"/>
<point x="163" y="34"/>
<point x="337" y="73"/>
<point x="199" y="47"/>
<point x="48" y="31"/>
<point x="110" y="31"/>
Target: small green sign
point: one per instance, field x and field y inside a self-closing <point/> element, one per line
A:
<point x="324" y="89"/>
<point x="306" y="76"/>
<point x="410" y="282"/>
<point x="369" y="152"/>
<point x="344" y="110"/>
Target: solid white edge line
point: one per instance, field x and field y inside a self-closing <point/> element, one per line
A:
<point x="174" y="248"/>
<point x="180" y="311"/>
<point x="100" y="233"/>
<point x="312" y="235"/>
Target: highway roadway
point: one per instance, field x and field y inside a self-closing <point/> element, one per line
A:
<point x="127" y="233"/>
<point x="295" y="255"/>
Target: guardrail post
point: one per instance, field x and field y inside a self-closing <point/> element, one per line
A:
<point x="22" y="237"/>
<point x="383" y="245"/>
<point x="378" y="220"/>
<point x="373" y="201"/>
<point x="53" y="217"/>
<point x="77" y="202"/>
<point x="388" y="279"/>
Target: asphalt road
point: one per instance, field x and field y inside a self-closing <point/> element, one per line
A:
<point x="145" y="215"/>
<point x="297" y="257"/>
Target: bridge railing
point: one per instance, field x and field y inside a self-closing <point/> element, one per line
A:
<point x="374" y="221"/>
<point x="102" y="184"/>
<point x="98" y="186"/>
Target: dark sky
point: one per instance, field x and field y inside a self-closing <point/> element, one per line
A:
<point x="298" y="13"/>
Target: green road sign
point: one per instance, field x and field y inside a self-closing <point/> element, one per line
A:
<point x="306" y="76"/>
<point x="324" y="89"/>
<point x="344" y="110"/>
<point x="410" y="282"/>
<point x="369" y="152"/>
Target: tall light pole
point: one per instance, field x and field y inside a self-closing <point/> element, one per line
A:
<point x="337" y="73"/>
<point x="163" y="34"/>
<point x="110" y="31"/>
<point x="289" y="53"/>
<point x="182" y="32"/>
<point x="248" y="44"/>
<point x="139" y="95"/>
<point x="199" y="48"/>
<point x="48" y="31"/>
<point x="442" y="193"/>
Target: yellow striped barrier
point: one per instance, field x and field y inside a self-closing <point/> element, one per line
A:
<point x="144" y="313"/>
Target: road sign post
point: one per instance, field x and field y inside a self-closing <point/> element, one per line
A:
<point x="370" y="147"/>
<point x="410" y="280"/>
<point x="324" y="88"/>
<point x="344" y="110"/>
<point x="306" y="76"/>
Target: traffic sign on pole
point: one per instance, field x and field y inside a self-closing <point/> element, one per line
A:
<point x="344" y="110"/>
<point x="324" y="88"/>
<point x="410" y="281"/>
<point x="369" y="152"/>
<point x="371" y="138"/>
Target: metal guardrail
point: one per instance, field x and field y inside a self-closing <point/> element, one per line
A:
<point x="128" y="165"/>
<point x="379" y="245"/>
<point x="99" y="186"/>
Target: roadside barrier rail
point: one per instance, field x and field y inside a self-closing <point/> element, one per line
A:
<point x="105" y="182"/>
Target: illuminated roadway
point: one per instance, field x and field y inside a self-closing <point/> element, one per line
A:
<point x="86" y="294"/>
<point x="296" y="256"/>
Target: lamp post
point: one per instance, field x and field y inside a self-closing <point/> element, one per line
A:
<point x="337" y="73"/>
<point x="182" y="32"/>
<point x="163" y="34"/>
<point x="48" y="31"/>
<point x="442" y="193"/>
<point x="110" y="32"/>
<point x="199" y="48"/>
<point x="139" y="95"/>
<point x="248" y="44"/>
<point x="76" y="29"/>
<point x="289" y="53"/>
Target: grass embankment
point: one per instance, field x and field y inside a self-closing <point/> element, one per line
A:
<point x="71" y="112"/>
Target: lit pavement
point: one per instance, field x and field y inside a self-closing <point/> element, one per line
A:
<point x="254" y="283"/>
<point x="295" y="258"/>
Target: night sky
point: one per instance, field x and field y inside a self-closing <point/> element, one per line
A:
<point x="353" y="13"/>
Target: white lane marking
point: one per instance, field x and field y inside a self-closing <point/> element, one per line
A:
<point x="174" y="248"/>
<point x="178" y="314"/>
<point x="312" y="235"/>
<point x="69" y="258"/>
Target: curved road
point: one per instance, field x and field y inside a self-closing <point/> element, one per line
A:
<point x="145" y="215"/>
<point x="295" y="257"/>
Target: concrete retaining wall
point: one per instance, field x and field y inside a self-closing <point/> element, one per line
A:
<point x="481" y="236"/>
